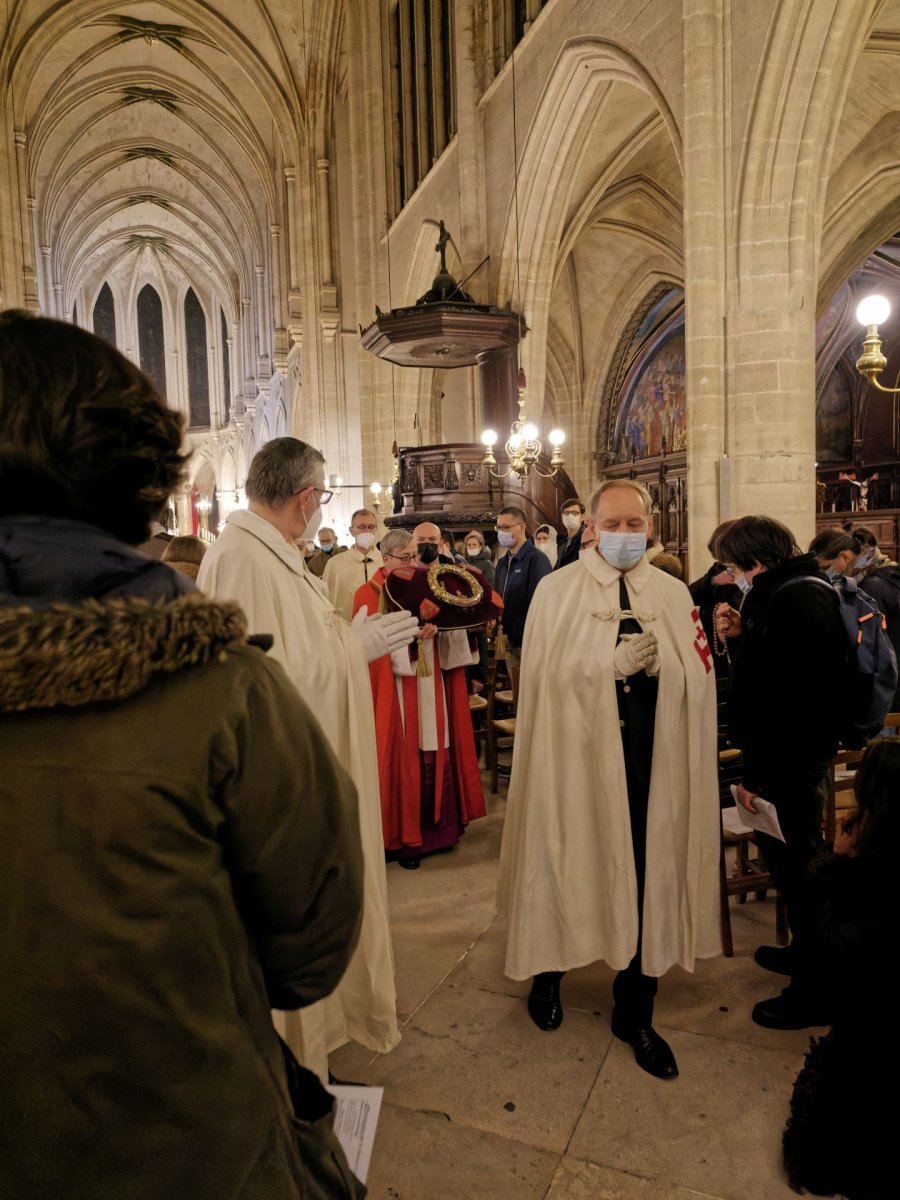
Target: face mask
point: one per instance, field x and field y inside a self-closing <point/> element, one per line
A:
<point x="428" y="552"/>
<point x="834" y="575"/>
<point x="313" y="527"/>
<point x="326" y="547"/>
<point x="572" y="522"/>
<point x="622" y="550"/>
<point x="743" y="583"/>
<point x="473" y="551"/>
<point x="506" y="539"/>
<point x="365" y="541"/>
<point x="863" y="561"/>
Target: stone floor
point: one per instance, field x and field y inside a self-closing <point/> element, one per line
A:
<point x="480" y="1105"/>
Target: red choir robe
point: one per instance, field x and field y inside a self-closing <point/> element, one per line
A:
<point x="399" y="771"/>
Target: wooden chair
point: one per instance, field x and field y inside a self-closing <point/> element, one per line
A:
<point x="500" y="721"/>
<point x="750" y="874"/>
<point x="839" y="797"/>
<point x="478" y="708"/>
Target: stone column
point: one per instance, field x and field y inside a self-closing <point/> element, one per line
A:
<point x="26" y="209"/>
<point x="705" y="271"/>
<point x="323" y="167"/>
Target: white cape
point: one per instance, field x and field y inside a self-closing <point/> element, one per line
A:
<point x="567" y="879"/>
<point x="253" y="564"/>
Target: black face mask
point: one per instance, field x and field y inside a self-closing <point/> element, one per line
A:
<point x="427" y="552"/>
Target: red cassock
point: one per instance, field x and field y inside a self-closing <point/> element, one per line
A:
<point x="398" y="747"/>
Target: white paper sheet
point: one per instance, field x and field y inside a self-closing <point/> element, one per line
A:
<point x="356" y="1113"/>
<point x="742" y="821"/>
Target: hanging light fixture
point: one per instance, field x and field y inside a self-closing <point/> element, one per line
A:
<point x="872" y="312"/>
<point x="376" y="489"/>
<point x="523" y="446"/>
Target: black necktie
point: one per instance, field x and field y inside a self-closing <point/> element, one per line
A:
<point x="626" y="624"/>
<point x="366" y="561"/>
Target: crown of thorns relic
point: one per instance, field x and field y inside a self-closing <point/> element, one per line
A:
<point x="444" y="595"/>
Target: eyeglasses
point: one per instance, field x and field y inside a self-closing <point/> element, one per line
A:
<point x="325" y="494"/>
<point x="406" y="559"/>
<point x="507" y="528"/>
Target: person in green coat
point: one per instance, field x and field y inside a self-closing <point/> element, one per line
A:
<point x="181" y="846"/>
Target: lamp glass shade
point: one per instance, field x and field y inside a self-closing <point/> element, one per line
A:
<point x="556" y="437"/>
<point x="873" y="310"/>
<point x="375" y="489"/>
<point x="489" y="437"/>
<point x="515" y="441"/>
<point x="529" y="432"/>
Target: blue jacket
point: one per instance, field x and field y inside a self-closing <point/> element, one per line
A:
<point x="515" y="579"/>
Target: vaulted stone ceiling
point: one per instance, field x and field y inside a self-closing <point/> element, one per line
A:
<point x="157" y="137"/>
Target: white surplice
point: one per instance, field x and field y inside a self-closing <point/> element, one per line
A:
<point x="254" y="565"/>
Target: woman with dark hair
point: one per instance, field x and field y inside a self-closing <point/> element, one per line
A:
<point x="181" y="848"/>
<point x="716" y="588"/>
<point x="836" y="551"/>
<point x="879" y="578"/>
<point x="840" y="1137"/>
<point x="784" y="713"/>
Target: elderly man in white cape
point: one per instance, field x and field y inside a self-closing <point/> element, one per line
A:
<point x="255" y="561"/>
<point x="611" y="845"/>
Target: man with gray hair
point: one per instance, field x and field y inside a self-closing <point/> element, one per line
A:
<point x="256" y="562"/>
<point x="611" y="844"/>
<point x="345" y="574"/>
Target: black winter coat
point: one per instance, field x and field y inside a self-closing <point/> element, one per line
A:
<point x="786" y="699"/>
<point x="883" y="585"/>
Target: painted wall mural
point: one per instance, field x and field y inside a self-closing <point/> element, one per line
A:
<point x="654" y="408"/>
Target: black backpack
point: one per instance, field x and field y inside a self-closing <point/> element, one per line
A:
<point x="872" y="664"/>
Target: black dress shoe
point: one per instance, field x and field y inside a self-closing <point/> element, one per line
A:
<point x="651" y="1052"/>
<point x="544" y="1005"/>
<point x="412" y="863"/>
<point x="786" y="1012"/>
<point x="779" y="959"/>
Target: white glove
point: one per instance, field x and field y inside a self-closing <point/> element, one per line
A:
<point x="636" y="652"/>
<point x="385" y="632"/>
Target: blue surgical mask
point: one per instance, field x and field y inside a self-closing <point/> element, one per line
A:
<point x="833" y="575"/>
<point x="742" y="582"/>
<point x="506" y="539"/>
<point x="622" y="550"/>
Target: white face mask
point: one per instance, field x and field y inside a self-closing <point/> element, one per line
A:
<point x="863" y="561"/>
<point x="365" y="541"/>
<point x="314" y="522"/>
<point x="572" y="521"/>
<point x="473" y="549"/>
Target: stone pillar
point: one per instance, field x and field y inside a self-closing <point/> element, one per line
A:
<point x="323" y="167"/>
<point x="263" y="364"/>
<point x="281" y="337"/>
<point x="26" y="207"/>
<point x="705" y="271"/>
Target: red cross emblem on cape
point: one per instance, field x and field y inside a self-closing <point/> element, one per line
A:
<point x="701" y="645"/>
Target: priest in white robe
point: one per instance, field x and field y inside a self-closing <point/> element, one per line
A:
<point x="611" y="845"/>
<point x="255" y="562"/>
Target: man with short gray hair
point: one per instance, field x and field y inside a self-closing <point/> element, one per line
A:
<point x="611" y="844"/>
<point x="345" y="574"/>
<point x="256" y="562"/>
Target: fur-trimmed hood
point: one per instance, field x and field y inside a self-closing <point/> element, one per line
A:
<point x="106" y="650"/>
